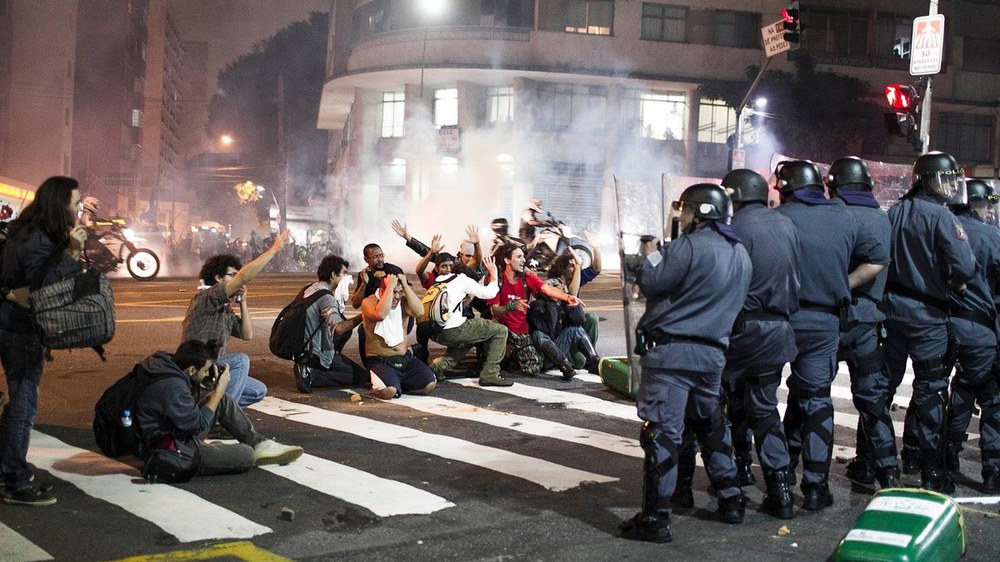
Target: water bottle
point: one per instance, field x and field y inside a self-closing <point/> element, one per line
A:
<point x="127" y="418"/>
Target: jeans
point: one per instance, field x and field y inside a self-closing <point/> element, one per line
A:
<point x="22" y="359"/>
<point x="243" y="388"/>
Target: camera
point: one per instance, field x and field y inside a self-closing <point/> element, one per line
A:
<point x="211" y="380"/>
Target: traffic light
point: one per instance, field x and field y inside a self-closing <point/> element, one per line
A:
<point x="905" y="120"/>
<point x="792" y="23"/>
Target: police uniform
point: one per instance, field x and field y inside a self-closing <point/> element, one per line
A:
<point x="694" y="288"/>
<point x="928" y="245"/>
<point x="830" y="239"/>
<point x="973" y="337"/>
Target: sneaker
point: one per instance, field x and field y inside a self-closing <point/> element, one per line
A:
<point x="270" y="451"/>
<point x="494" y="380"/>
<point x="303" y="378"/>
<point x="29" y="496"/>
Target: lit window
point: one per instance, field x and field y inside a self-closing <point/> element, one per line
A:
<point x="716" y="121"/>
<point x="501" y="103"/>
<point x="393" y="113"/>
<point x="446" y="107"/>
<point x="137" y="118"/>
<point x="661" y="116"/>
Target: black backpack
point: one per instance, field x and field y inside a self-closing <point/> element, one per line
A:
<point x="113" y="437"/>
<point x="288" y="333"/>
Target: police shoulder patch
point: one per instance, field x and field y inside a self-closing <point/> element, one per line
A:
<point x="960" y="232"/>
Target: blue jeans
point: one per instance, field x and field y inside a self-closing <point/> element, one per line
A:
<point x="22" y="359"/>
<point x="243" y="388"/>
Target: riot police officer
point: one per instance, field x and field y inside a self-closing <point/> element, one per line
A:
<point x="861" y="338"/>
<point x="830" y="239"/>
<point x="972" y="329"/>
<point x="930" y="257"/>
<point x="694" y="289"/>
<point x="762" y="340"/>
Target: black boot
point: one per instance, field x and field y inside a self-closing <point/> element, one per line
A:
<point x="778" y="501"/>
<point x="951" y="460"/>
<point x="816" y="496"/>
<point x="652" y="524"/>
<point x="991" y="479"/>
<point x="683" y="494"/>
<point x="593" y="360"/>
<point x="888" y="477"/>
<point x="861" y="471"/>
<point x="744" y="471"/>
<point x="937" y="480"/>
<point x="303" y="377"/>
<point x="733" y="509"/>
<point x="552" y="352"/>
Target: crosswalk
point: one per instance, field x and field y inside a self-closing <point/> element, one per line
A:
<point x="453" y="420"/>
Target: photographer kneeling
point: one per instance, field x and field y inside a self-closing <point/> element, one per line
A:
<point x="182" y="398"/>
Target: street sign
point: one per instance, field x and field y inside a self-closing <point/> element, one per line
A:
<point x="774" y="40"/>
<point x="927" y="45"/>
<point x="739" y="158"/>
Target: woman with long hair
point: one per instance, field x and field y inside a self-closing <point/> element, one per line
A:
<point x="45" y="228"/>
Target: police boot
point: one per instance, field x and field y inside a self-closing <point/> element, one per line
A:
<point x="303" y="377"/>
<point x="683" y="494"/>
<point x="951" y="461"/>
<point x="744" y="471"/>
<point x="733" y="509"/>
<point x="778" y="501"/>
<point x="816" y="496"/>
<point x="860" y="470"/>
<point x="937" y="479"/>
<point x="911" y="465"/>
<point x="555" y="355"/>
<point x="652" y="524"/>
<point x="888" y="477"/>
<point x="991" y="479"/>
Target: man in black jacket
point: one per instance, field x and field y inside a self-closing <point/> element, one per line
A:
<point x="176" y="411"/>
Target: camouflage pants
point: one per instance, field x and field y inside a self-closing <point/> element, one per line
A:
<point x="521" y="350"/>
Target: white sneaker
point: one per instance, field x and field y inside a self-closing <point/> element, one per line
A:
<point x="270" y="451"/>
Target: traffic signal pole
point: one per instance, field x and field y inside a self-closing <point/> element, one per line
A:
<point x="925" y="108"/>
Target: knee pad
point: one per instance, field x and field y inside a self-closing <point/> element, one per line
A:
<point x="650" y="437"/>
<point x="710" y="431"/>
<point x="929" y="369"/>
<point x="767" y="426"/>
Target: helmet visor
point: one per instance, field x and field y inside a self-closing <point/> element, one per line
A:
<point x="950" y="184"/>
<point x="988" y="211"/>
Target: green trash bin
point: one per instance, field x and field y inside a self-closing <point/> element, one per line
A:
<point x="615" y="373"/>
<point x="906" y="525"/>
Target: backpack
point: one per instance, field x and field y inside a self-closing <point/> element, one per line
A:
<point x="288" y="333"/>
<point x="114" y="438"/>
<point x="437" y="307"/>
<point x="545" y="315"/>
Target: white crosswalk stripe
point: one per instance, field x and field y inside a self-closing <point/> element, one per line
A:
<point x="548" y="474"/>
<point x="16" y="548"/>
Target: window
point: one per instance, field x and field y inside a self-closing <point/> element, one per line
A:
<point x="393" y="114"/>
<point x="500" y="101"/>
<point x="716" y="121"/>
<point x="370" y="19"/>
<point x="841" y="33"/>
<point x="446" y="107"/>
<point x="663" y="23"/>
<point x="735" y="29"/>
<point x="593" y="17"/>
<point x="980" y="54"/>
<point x="661" y="116"/>
<point x="965" y="136"/>
<point x="507" y="13"/>
<point x="565" y="107"/>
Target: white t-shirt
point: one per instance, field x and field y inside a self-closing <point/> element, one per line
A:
<point x="462" y="286"/>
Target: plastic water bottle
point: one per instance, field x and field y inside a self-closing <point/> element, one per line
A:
<point x="127" y="418"/>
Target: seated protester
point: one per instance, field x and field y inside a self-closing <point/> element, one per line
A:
<point x="565" y="272"/>
<point x="444" y="263"/>
<point x="393" y="367"/>
<point x="176" y="412"/>
<point x="460" y="333"/>
<point x="557" y="330"/>
<point x="325" y="365"/>
<point x="510" y="308"/>
<point x="470" y="254"/>
<point x="368" y="281"/>
<point x="210" y="315"/>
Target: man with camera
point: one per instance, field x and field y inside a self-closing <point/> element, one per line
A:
<point x="181" y="397"/>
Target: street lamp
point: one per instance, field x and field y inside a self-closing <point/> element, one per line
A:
<point x="429" y="9"/>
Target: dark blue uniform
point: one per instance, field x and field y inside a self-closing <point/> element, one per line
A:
<point x="763" y="340"/>
<point x="694" y="290"/>
<point x="929" y="249"/>
<point x="830" y="239"/>
<point x="972" y="329"/>
<point x="861" y="343"/>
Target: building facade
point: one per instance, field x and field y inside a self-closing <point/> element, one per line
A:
<point x="495" y="101"/>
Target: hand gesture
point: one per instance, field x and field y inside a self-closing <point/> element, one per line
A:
<point x="472" y="233"/>
<point x="521" y="305"/>
<point x="77" y="237"/>
<point x="436" y="245"/>
<point x="362" y="278"/>
<point x="393" y="279"/>
<point x="573" y="301"/>
<point x="490" y="263"/>
<point x="400" y="229"/>
<point x="282" y="240"/>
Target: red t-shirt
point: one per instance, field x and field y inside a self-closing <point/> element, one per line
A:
<point x="516" y="321"/>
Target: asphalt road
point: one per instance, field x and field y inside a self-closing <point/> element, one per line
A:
<point x="545" y="470"/>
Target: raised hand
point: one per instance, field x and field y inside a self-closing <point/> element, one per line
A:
<point x="400" y="229"/>
<point x="436" y="245"/>
<point x="472" y="233"/>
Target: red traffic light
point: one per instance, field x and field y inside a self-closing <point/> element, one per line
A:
<point x="900" y="97"/>
<point x="790" y="15"/>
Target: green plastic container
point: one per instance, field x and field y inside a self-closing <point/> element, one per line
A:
<point x="615" y="374"/>
<point x="906" y="525"/>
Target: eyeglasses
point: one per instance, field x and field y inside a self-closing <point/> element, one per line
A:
<point x="376" y="256"/>
<point x="231" y="273"/>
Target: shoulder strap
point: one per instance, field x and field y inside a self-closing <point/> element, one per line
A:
<point x="46" y="267"/>
<point x="309" y="302"/>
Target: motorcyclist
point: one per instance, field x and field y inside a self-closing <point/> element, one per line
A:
<point x="531" y="218"/>
<point x="94" y="249"/>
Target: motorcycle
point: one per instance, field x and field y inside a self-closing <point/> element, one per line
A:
<point x="552" y="238"/>
<point x="109" y="245"/>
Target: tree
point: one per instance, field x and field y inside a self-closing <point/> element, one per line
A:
<point x="246" y="106"/>
<point x="812" y="114"/>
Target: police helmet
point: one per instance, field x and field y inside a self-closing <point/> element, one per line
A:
<point x="707" y="201"/>
<point x="500" y="226"/>
<point x="91" y="204"/>
<point x="939" y="173"/>
<point x="796" y="174"/>
<point x="747" y="186"/>
<point x="849" y="171"/>
<point x="978" y="190"/>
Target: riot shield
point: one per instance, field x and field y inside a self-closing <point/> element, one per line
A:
<point x="641" y="212"/>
